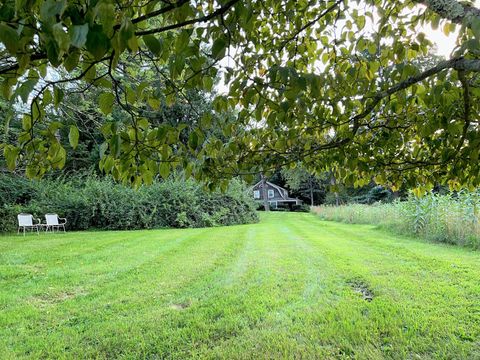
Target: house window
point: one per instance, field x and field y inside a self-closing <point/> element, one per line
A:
<point x="271" y="194"/>
<point x="256" y="194"/>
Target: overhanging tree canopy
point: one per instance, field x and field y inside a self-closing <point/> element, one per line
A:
<point x="336" y="84"/>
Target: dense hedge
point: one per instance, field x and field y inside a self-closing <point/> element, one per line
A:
<point x="103" y="204"/>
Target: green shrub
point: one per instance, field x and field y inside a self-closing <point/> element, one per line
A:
<point x="8" y="217"/>
<point x="301" y="208"/>
<point x="104" y="204"/>
<point x="452" y="218"/>
<point x="16" y="189"/>
<point x="16" y="193"/>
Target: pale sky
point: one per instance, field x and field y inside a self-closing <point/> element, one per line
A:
<point x="445" y="44"/>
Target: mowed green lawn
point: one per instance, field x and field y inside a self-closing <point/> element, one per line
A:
<point x="291" y="286"/>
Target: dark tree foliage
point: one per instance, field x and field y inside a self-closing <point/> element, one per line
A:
<point x="341" y="85"/>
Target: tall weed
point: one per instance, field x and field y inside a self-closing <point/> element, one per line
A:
<point x="452" y="218"/>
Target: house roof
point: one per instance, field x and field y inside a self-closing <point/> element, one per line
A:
<point x="283" y="192"/>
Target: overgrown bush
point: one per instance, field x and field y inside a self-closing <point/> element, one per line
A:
<point x="301" y="208"/>
<point x="104" y="204"/>
<point x="452" y="218"/>
<point x="16" y="190"/>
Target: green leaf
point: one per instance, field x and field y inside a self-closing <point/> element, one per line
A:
<point x="131" y="95"/>
<point x="162" y="133"/>
<point x="207" y="83"/>
<point x="218" y="48"/>
<point x="61" y="37"/>
<point x="127" y="30"/>
<point x="102" y="149"/>
<point x="97" y="42"/>
<point x="178" y="64"/>
<point x="105" y="101"/>
<point x="115" y="144"/>
<point x="104" y="11"/>
<point x="91" y="71"/>
<point x="6" y="89"/>
<point x="50" y="9"/>
<point x="164" y="170"/>
<point x="472" y="44"/>
<point x="57" y="96"/>
<point x="10" y="153"/>
<point x="108" y="164"/>
<point x="147" y="177"/>
<point x="193" y="140"/>
<point x="206" y="120"/>
<point x="31" y="171"/>
<point x="154" y="103"/>
<point x="360" y="22"/>
<point x="285" y="105"/>
<point x="153" y="44"/>
<point x="143" y="123"/>
<point x="47" y="97"/>
<point x="60" y="158"/>
<point x="7" y="11"/>
<point x="476" y="27"/>
<point x="73" y="136"/>
<point x="182" y="41"/>
<point x="53" y="52"/>
<point x="71" y="60"/>
<point x="26" y="123"/>
<point x="25" y="89"/>
<point x="133" y="43"/>
<point x="36" y="110"/>
<point x="42" y="69"/>
<point x="9" y="37"/>
<point x="78" y="35"/>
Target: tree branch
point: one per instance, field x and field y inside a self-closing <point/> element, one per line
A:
<point x="15" y="66"/>
<point x="205" y="18"/>
<point x="310" y="23"/>
<point x="459" y="64"/>
<point x="452" y="10"/>
<point x="158" y="12"/>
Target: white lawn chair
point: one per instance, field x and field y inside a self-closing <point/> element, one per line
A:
<point x="53" y="223"/>
<point x="25" y="221"/>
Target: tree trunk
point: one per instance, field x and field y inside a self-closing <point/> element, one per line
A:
<point x="265" y="193"/>
<point x="311" y="193"/>
<point x="333" y="182"/>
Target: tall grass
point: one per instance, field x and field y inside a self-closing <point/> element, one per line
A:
<point x="452" y="218"/>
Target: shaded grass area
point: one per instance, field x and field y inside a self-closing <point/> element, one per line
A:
<point x="290" y="286"/>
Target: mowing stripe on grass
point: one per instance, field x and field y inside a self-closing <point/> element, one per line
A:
<point x="291" y="286"/>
